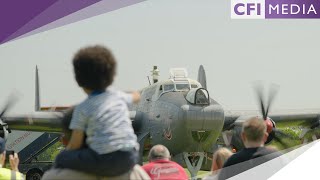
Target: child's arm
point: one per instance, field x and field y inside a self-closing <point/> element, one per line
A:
<point x="78" y="126"/>
<point x="76" y="140"/>
<point x="135" y="96"/>
<point x="131" y="97"/>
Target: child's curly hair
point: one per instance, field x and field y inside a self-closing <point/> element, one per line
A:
<point x="94" y="67"/>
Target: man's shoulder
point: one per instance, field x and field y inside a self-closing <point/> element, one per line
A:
<point x="246" y="159"/>
<point x="148" y="165"/>
<point x="266" y="150"/>
<point x="182" y="172"/>
<point x="268" y="153"/>
<point x="247" y="154"/>
<point x="161" y="162"/>
<point x="165" y="169"/>
<point x="151" y="164"/>
<point x="236" y="158"/>
<point x="63" y="173"/>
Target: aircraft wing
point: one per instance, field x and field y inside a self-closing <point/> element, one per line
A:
<point x="305" y="118"/>
<point x="52" y="121"/>
<point x="37" y="121"/>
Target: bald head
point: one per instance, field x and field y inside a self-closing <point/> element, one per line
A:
<point x="159" y="152"/>
<point x="254" y="129"/>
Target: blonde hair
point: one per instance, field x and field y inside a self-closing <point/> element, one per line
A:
<point x="220" y="157"/>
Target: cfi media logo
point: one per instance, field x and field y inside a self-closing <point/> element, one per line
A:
<point x="275" y="9"/>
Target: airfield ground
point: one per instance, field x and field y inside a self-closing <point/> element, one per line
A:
<point x="293" y="129"/>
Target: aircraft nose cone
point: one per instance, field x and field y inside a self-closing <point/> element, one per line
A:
<point x="199" y="118"/>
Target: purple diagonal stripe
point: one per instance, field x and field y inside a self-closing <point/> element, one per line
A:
<point x="56" y="11"/>
<point x="16" y="13"/>
<point x="93" y="10"/>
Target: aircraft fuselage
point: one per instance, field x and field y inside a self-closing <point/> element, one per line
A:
<point x="173" y="121"/>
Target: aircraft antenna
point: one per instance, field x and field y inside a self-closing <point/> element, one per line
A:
<point x="155" y="74"/>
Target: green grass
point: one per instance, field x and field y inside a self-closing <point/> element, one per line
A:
<point x="287" y="142"/>
<point x="201" y="174"/>
<point x="50" y="153"/>
<point x="294" y="131"/>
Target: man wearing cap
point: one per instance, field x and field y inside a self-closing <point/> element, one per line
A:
<point x="13" y="174"/>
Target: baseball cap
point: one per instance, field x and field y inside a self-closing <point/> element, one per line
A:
<point x="2" y="145"/>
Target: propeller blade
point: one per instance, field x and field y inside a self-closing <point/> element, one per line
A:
<point x="314" y="125"/>
<point x="259" y="90"/>
<point x="279" y="132"/>
<point x="285" y="145"/>
<point x="202" y="77"/>
<point x="12" y="100"/>
<point x="265" y="105"/>
<point x="277" y="138"/>
<point x="272" y="93"/>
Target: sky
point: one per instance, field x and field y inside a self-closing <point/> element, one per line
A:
<point x="172" y="33"/>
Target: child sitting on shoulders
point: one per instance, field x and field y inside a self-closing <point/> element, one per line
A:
<point x="103" y="118"/>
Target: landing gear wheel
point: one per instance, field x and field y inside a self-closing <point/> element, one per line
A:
<point x="34" y="174"/>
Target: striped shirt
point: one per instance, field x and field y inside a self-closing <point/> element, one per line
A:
<point x="105" y="119"/>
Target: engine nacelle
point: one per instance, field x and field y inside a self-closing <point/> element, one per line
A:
<point x="236" y="141"/>
<point x="270" y="126"/>
<point x="137" y="119"/>
<point x="3" y="130"/>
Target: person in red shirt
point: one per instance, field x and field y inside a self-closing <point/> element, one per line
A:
<point x="160" y="167"/>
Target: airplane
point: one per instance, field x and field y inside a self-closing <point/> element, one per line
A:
<point x="178" y="113"/>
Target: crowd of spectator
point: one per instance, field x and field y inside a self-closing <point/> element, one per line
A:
<point x="97" y="148"/>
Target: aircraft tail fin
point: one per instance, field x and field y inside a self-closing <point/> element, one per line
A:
<point x="37" y="92"/>
<point x="37" y="105"/>
<point x="202" y="77"/>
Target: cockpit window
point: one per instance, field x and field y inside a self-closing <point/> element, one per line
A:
<point x="202" y="97"/>
<point x="198" y="96"/>
<point x="168" y="87"/>
<point x="183" y="87"/>
<point x="180" y="86"/>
